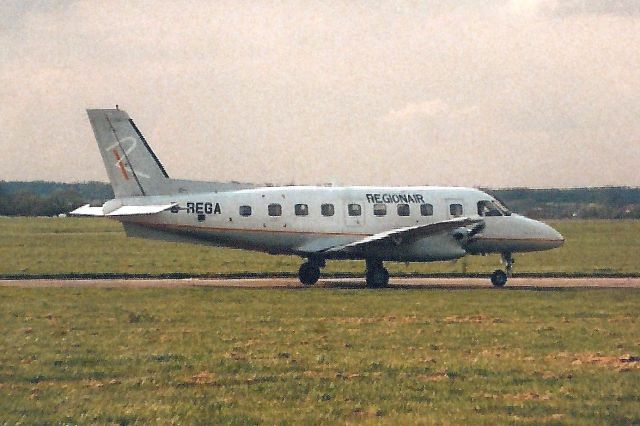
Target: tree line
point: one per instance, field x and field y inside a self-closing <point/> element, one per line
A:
<point x="611" y="202"/>
<point x="40" y="198"/>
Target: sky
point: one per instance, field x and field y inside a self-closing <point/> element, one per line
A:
<point x="536" y="93"/>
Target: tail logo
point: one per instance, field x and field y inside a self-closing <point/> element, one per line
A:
<point x="128" y="145"/>
<point x="119" y="164"/>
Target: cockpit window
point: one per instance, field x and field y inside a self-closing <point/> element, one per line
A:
<point x="503" y="209"/>
<point x="492" y="208"/>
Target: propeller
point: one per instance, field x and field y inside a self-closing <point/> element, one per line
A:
<point x="475" y="229"/>
<point x="465" y="235"/>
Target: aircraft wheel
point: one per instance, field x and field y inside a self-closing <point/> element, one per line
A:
<point x="308" y="273"/>
<point x="385" y="281"/>
<point x="378" y="277"/>
<point x="498" y="278"/>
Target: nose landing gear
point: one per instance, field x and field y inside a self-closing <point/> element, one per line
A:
<point x="499" y="277"/>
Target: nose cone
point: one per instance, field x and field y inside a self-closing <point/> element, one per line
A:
<point x="532" y="235"/>
<point x="515" y="233"/>
<point x="549" y="236"/>
<point x="539" y="236"/>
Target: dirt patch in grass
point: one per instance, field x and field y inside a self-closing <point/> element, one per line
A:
<point x="204" y="378"/>
<point x="437" y="377"/>
<point x="458" y="319"/>
<point x="371" y="320"/>
<point x="625" y="362"/>
<point x="528" y="396"/>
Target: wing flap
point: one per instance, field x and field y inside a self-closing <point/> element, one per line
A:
<point x="407" y="235"/>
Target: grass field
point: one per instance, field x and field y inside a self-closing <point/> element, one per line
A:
<point x="309" y="356"/>
<point x="31" y="246"/>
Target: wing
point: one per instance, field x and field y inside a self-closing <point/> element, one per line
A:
<point x="400" y="236"/>
<point x="87" y="210"/>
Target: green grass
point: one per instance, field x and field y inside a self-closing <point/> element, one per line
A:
<point x="236" y="356"/>
<point x="31" y="246"/>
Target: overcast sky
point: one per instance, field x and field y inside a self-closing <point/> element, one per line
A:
<point x="539" y="93"/>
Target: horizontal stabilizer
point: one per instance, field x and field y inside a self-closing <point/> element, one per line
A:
<point x="135" y="210"/>
<point x="87" y="210"/>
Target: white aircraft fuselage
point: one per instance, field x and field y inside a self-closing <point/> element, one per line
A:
<point x="245" y="219"/>
<point x="410" y="224"/>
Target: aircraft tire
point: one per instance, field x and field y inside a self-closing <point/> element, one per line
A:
<point x="498" y="278"/>
<point x="308" y="274"/>
<point x="377" y="278"/>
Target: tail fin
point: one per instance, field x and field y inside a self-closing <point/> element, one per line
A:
<point x="132" y="166"/>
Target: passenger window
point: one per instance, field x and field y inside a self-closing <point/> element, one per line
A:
<point x="301" y="209"/>
<point x="355" y="210"/>
<point x="245" y="211"/>
<point x="379" y="209"/>
<point x="202" y="217"/>
<point x="426" y="209"/>
<point x="327" y="209"/>
<point x="275" y="210"/>
<point x="455" y="210"/>
<point x="404" y="210"/>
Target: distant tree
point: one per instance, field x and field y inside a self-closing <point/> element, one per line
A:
<point x="53" y="198"/>
<point x="61" y="201"/>
<point x="23" y="203"/>
<point x="596" y="211"/>
<point x="4" y="199"/>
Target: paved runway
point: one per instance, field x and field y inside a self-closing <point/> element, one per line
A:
<point x="346" y="283"/>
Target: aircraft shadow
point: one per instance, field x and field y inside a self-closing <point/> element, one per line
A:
<point x="360" y="285"/>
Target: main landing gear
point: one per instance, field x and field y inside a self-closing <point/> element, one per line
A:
<point x="376" y="274"/>
<point x="309" y="272"/>
<point x="499" y="277"/>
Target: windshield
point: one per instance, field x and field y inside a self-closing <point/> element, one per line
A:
<point x="500" y="206"/>
<point x="492" y="208"/>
